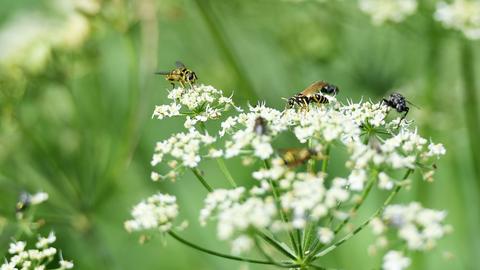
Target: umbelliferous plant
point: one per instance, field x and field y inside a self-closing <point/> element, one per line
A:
<point x="294" y="203"/>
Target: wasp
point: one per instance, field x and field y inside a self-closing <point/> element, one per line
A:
<point x="314" y="93"/>
<point x="293" y="157"/>
<point x="180" y="74"/>
<point x="397" y="102"/>
<point x="260" y="126"/>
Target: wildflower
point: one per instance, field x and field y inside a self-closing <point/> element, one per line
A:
<point x="241" y="244"/>
<point x="156" y="212"/>
<point x="325" y="235"/>
<point x="461" y="15"/>
<point x="38" y="198"/>
<point x="17" y="247"/>
<point x="383" y="11"/>
<point x="418" y="226"/>
<point x="39" y="258"/>
<point x="394" y="260"/>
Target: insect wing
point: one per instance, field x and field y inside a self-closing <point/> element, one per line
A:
<point x="313" y="88"/>
<point x="179" y="64"/>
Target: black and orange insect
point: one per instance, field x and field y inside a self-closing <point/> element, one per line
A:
<point x="181" y="74"/>
<point x="314" y="93"/>
<point x="293" y="157"/>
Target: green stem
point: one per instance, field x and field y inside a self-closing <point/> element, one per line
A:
<point x="226" y="256"/>
<point x="276" y="245"/>
<point x="312" y="161"/>
<point x="225" y="46"/>
<point x="310" y="233"/>
<point x="201" y="179"/>
<point x="262" y="251"/>
<point x="325" y="161"/>
<point x="226" y="172"/>
<point x="362" y="226"/>
<point x="359" y="203"/>
<point x="220" y="162"/>
<point x="282" y="214"/>
<point x="471" y="107"/>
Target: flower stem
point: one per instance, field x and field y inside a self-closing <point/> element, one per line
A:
<point x="220" y="162"/>
<point x="226" y="256"/>
<point x="310" y="232"/>
<point x="325" y="161"/>
<point x="471" y="106"/>
<point x="359" y="203"/>
<point x="362" y="226"/>
<point x="226" y="172"/>
<point x="276" y="245"/>
<point x="225" y="47"/>
<point x="201" y="179"/>
<point x="280" y="210"/>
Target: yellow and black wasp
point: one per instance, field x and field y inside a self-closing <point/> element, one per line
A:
<point x="181" y="74"/>
<point x="293" y="157"/>
<point x="314" y="93"/>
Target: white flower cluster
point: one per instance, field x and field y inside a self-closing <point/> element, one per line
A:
<point x="34" y="259"/>
<point x="420" y="228"/>
<point x="395" y="260"/>
<point x="401" y="151"/>
<point x="383" y="11"/>
<point x="156" y="212"/>
<point x="236" y="214"/>
<point x="42" y="33"/>
<point x="184" y="148"/>
<point x="203" y="102"/>
<point x="461" y="15"/>
<point x="291" y="192"/>
<point x="245" y="139"/>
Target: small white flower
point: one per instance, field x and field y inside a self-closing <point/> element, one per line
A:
<point x="17" y="247"/>
<point x="384" y="181"/>
<point x="38" y="198"/>
<point x="241" y="244"/>
<point x="394" y="260"/>
<point x="156" y="212"/>
<point x="325" y="235"/>
<point x="382" y="11"/>
<point x="357" y="179"/>
<point x="462" y="15"/>
<point x="44" y="242"/>
<point x="436" y="150"/>
<point x="66" y="264"/>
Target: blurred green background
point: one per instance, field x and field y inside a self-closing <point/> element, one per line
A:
<point x="79" y="125"/>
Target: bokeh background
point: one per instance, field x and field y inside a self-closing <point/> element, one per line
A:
<point x="77" y="91"/>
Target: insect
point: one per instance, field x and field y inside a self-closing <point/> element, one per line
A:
<point x="23" y="202"/>
<point x="260" y="127"/>
<point x="180" y="74"/>
<point x="293" y="157"/>
<point x="314" y="93"/>
<point x="399" y="103"/>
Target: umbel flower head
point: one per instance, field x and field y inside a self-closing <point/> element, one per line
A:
<point x="156" y="212"/>
<point x="383" y="11"/>
<point x="291" y="191"/>
<point x="41" y="257"/>
<point x="461" y="15"/>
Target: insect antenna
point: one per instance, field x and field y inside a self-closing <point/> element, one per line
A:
<point x="162" y="72"/>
